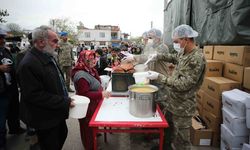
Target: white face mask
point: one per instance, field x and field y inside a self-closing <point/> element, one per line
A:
<point x="150" y="41"/>
<point x="177" y="47"/>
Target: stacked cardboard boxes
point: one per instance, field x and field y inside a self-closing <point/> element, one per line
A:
<point x="228" y="67"/>
<point x="209" y="107"/>
<point x="237" y="63"/>
<point x="234" y="131"/>
<point x="212" y="103"/>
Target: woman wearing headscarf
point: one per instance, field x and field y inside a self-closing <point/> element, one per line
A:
<point x="87" y="83"/>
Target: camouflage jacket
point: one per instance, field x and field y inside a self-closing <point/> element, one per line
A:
<point x="65" y="57"/>
<point x="159" y="65"/>
<point x="178" y="95"/>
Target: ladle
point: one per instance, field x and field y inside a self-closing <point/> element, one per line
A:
<point x="148" y="61"/>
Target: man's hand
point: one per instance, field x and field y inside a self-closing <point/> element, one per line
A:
<point x="152" y="75"/>
<point x="72" y="104"/>
<point x="73" y="63"/>
<point x="106" y="94"/>
<point x="5" y="68"/>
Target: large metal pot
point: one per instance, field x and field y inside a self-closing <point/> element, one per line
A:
<point x="142" y="102"/>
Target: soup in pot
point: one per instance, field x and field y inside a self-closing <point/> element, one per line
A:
<point x="143" y="90"/>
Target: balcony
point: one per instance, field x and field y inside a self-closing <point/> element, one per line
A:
<point x="115" y="38"/>
<point x="115" y="29"/>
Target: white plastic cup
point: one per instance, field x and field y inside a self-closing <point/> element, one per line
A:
<point x="105" y="81"/>
<point x="141" y="77"/>
<point x="81" y="107"/>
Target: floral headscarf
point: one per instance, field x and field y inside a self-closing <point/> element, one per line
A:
<point x="82" y="63"/>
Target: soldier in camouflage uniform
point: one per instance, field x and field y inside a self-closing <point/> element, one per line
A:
<point x="178" y="102"/>
<point x="65" y="58"/>
<point x="154" y="45"/>
<point x="160" y="48"/>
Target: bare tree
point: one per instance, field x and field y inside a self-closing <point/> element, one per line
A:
<point x="15" y="29"/>
<point x="136" y="40"/>
<point x="64" y="24"/>
<point x="81" y="24"/>
<point x="3" y="13"/>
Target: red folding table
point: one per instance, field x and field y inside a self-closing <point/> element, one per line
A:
<point x="112" y="115"/>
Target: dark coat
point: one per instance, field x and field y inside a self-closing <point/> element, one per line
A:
<point x="42" y="96"/>
<point x="4" y="88"/>
<point x="101" y="65"/>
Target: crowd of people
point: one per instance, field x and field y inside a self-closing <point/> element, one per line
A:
<point x="45" y="71"/>
<point x="9" y="95"/>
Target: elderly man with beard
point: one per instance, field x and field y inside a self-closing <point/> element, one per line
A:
<point x="43" y="90"/>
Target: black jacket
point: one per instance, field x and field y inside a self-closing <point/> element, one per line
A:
<point x="101" y="65"/>
<point x="42" y="96"/>
<point x="4" y="88"/>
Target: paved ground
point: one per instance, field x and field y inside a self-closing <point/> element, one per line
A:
<point x="116" y="141"/>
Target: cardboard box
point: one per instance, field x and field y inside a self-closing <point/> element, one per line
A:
<point x="212" y="105"/>
<point x="200" y="136"/>
<point x="214" y="86"/>
<point x="216" y="139"/>
<point x="199" y="96"/>
<point x="238" y="55"/>
<point x="199" y="108"/>
<point x="203" y="85"/>
<point x="232" y="140"/>
<point x="220" y="53"/>
<point x="208" y="51"/>
<point x="246" y="81"/>
<point x="214" y="68"/>
<point x="248" y="113"/>
<point x="225" y="146"/>
<point x="234" y="72"/>
<point x="237" y="125"/>
<point x="235" y="101"/>
<point x="211" y="120"/>
<point x="246" y="146"/>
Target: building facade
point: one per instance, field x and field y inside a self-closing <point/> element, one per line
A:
<point x="100" y="36"/>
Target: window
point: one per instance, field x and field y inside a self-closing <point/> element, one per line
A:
<point x="102" y="43"/>
<point x="102" y="35"/>
<point x="87" y="34"/>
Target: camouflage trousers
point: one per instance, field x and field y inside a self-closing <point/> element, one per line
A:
<point x="66" y="70"/>
<point x="177" y="136"/>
